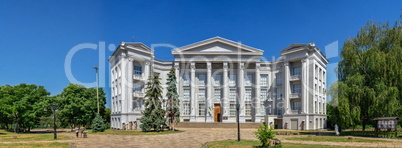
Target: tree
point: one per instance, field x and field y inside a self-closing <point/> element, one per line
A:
<point x="78" y="105"/>
<point x="173" y="109"/>
<point x="153" y="115"/>
<point x="97" y="124"/>
<point x="23" y="105"/>
<point x="369" y="74"/>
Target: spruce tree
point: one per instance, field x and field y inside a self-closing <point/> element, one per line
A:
<point x="173" y="110"/>
<point x="153" y="117"/>
<point x="97" y="124"/>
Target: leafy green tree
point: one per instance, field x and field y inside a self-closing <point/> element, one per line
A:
<point x="106" y="117"/>
<point x="78" y="105"/>
<point x="23" y="105"/>
<point x="173" y="109"/>
<point x="153" y="117"/>
<point x="264" y="133"/>
<point x="97" y="124"/>
<point x="369" y="74"/>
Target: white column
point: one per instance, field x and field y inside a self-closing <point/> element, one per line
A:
<point x="130" y="85"/>
<point x="193" y="109"/>
<point x="286" y="91"/>
<point x="123" y="85"/>
<point x="147" y="70"/>
<point x="241" y="91"/>
<point x="257" y="101"/>
<point x="208" y="103"/>
<point x="225" y="85"/>
<point x="178" y="80"/>
<point x="304" y="86"/>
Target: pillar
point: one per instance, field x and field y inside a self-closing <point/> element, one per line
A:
<point x="130" y="85"/>
<point x="225" y="80"/>
<point x="241" y="90"/>
<point x="193" y="101"/>
<point x="286" y="90"/>
<point x="257" y="100"/>
<point x="208" y="103"/>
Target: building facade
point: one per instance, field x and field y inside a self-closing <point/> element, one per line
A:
<point x="216" y="74"/>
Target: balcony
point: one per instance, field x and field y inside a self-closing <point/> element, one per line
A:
<point x="138" y="94"/>
<point x="295" y="78"/>
<point x="138" y="77"/>
<point x="295" y="112"/>
<point x="294" y="95"/>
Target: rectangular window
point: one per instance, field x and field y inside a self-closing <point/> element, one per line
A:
<point x="233" y="95"/>
<point x="296" y="88"/>
<point x="186" y="108"/>
<point x="232" y="80"/>
<point x="263" y="80"/>
<point x="186" y="94"/>
<point x="263" y="94"/>
<point x="232" y="108"/>
<point x="217" y="80"/>
<point x="201" y="109"/>
<point x="137" y="104"/>
<point x="279" y="79"/>
<point x="278" y="93"/>
<point x="186" y="80"/>
<point x="201" y="80"/>
<point x="201" y="95"/>
<point x="137" y="70"/>
<point x="248" y="80"/>
<point x="248" y="94"/>
<point x="296" y="70"/>
<point x="137" y="87"/>
<point x="248" y="109"/>
<point x="279" y="111"/>
<point x="296" y="105"/>
<point x="217" y="94"/>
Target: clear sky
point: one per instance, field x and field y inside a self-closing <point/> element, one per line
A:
<point x="35" y="36"/>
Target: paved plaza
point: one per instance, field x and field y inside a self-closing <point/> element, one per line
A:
<point x="194" y="137"/>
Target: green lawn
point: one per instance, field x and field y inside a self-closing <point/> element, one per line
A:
<point x="334" y="139"/>
<point x="251" y="143"/>
<point x="6" y="136"/>
<point x="42" y="144"/>
<point x="123" y="132"/>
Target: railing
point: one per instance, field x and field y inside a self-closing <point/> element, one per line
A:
<point x="138" y="77"/>
<point x="294" y="77"/>
<point x="295" y="112"/>
<point x="138" y="94"/>
<point x="294" y="95"/>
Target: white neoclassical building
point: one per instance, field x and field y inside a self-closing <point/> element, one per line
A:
<point x="216" y="74"/>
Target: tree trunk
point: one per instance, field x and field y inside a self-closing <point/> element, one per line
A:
<point x="364" y="125"/>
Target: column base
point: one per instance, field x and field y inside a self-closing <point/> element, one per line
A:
<point x="192" y="119"/>
<point x="209" y="119"/>
<point x="257" y="119"/>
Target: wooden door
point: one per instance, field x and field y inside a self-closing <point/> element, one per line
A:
<point x="217" y="113"/>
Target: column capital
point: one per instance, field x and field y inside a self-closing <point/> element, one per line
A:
<point x="286" y="63"/>
<point x="176" y="66"/>
<point x="209" y="65"/>
<point x="192" y="66"/>
<point x="257" y="66"/>
<point x="225" y="66"/>
<point x="130" y="59"/>
<point x="241" y="66"/>
<point x="304" y="60"/>
<point x="147" y="62"/>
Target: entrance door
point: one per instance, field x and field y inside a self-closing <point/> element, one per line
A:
<point x="294" y="124"/>
<point x="217" y="113"/>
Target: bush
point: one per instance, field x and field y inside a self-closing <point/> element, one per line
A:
<point x="98" y="125"/>
<point x="264" y="133"/>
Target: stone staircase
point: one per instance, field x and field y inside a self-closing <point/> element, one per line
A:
<point x="216" y="125"/>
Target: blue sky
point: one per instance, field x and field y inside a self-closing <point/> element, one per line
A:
<point x="35" y="36"/>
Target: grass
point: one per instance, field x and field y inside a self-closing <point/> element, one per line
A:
<point x="122" y="132"/>
<point x="43" y="144"/>
<point x="334" y="139"/>
<point x="6" y="136"/>
<point x="251" y="143"/>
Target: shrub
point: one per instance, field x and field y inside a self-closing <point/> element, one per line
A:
<point x="264" y="133"/>
<point x="98" y="125"/>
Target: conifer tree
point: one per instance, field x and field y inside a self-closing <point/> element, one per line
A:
<point x="172" y="109"/>
<point x="153" y="117"/>
<point x="97" y="124"/>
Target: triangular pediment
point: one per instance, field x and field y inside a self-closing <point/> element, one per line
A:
<point x="217" y="45"/>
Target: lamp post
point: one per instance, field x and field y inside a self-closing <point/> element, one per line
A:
<point x="54" y="119"/>
<point x="97" y="86"/>
<point x="238" y="121"/>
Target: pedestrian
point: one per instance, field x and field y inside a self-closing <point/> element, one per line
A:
<point x="337" y="129"/>
<point x="76" y="131"/>
<point x="82" y="130"/>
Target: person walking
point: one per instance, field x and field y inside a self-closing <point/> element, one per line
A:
<point x="336" y="129"/>
<point x="82" y="130"/>
<point x="76" y="131"/>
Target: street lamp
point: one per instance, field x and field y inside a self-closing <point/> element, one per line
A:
<point x="97" y="85"/>
<point x="238" y="121"/>
<point x="54" y="119"/>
